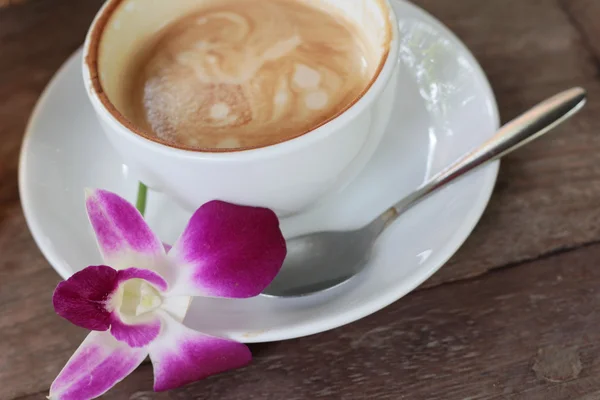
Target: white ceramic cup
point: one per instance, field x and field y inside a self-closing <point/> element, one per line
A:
<point x="287" y="177"/>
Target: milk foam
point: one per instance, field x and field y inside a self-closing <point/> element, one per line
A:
<point x="249" y="73"/>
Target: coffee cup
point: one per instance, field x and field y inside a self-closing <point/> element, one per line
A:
<point x="288" y="174"/>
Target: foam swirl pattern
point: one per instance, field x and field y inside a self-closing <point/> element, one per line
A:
<point x="249" y="73"/>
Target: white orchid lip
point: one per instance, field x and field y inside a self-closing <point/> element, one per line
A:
<point x="135" y="299"/>
<point x="123" y="302"/>
<point x="136" y="302"/>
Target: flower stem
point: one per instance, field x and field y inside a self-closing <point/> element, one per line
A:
<point x="140" y="204"/>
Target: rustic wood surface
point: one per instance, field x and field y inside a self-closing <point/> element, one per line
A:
<point x="514" y="315"/>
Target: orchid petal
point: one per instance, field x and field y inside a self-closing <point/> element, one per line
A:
<point x="137" y="273"/>
<point x="82" y="299"/>
<point x="99" y="363"/>
<point x="135" y="335"/>
<point x="124" y="238"/>
<point x="228" y="251"/>
<point x="181" y="355"/>
<point x="177" y="306"/>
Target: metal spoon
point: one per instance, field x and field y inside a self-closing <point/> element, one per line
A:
<point x="322" y="260"/>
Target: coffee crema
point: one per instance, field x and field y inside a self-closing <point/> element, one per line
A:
<point x="248" y="73"/>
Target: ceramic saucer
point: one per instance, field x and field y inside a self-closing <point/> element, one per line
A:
<point x="445" y="107"/>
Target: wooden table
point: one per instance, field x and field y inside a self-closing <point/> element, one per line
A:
<point x="514" y="315"/>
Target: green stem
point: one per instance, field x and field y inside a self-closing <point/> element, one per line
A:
<point x="141" y="198"/>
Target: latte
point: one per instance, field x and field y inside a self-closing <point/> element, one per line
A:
<point x="247" y="73"/>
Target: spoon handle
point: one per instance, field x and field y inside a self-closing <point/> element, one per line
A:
<point x="518" y="132"/>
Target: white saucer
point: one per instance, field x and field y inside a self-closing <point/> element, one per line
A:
<point x="445" y="108"/>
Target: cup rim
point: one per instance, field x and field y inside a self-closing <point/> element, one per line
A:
<point x="105" y="107"/>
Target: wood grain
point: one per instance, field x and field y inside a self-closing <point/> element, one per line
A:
<point x="6" y="3"/>
<point x="520" y="44"/>
<point x="584" y="14"/>
<point x="524" y="331"/>
<point x="35" y="39"/>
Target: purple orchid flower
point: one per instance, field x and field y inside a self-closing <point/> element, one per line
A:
<point x="135" y="304"/>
